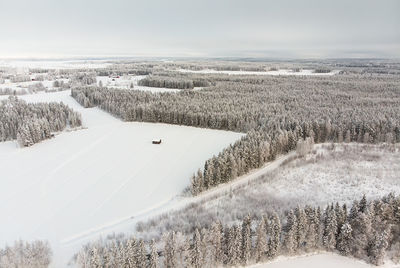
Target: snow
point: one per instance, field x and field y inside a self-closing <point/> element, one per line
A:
<point x="124" y="82"/>
<point x="81" y="181"/>
<point x="54" y="64"/>
<point x="343" y="174"/>
<point x="23" y="86"/>
<point x="277" y="72"/>
<point x="326" y="260"/>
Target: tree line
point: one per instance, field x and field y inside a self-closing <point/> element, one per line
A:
<point x="26" y="254"/>
<point x="368" y="230"/>
<point x="172" y="82"/>
<point x="30" y="123"/>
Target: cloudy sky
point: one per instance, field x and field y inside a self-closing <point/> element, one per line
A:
<point x="211" y="28"/>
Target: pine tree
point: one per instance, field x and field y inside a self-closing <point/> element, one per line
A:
<point x="195" y="185"/>
<point x="274" y="243"/>
<point x="378" y="247"/>
<point x="344" y="239"/>
<point x="131" y="249"/>
<point x="246" y="240"/>
<point x="330" y="229"/>
<point x="206" y="248"/>
<point x="234" y="246"/>
<point x="340" y="217"/>
<point x="312" y="235"/>
<point x="187" y="257"/>
<point x="362" y="229"/>
<point x="238" y="245"/>
<point x="200" y="181"/>
<point x="196" y="252"/>
<point x="290" y="236"/>
<point x="216" y="240"/>
<point x="208" y="175"/>
<point x="170" y="258"/>
<point x="120" y="257"/>
<point x="302" y="228"/>
<point x="95" y="259"/>
<point x="318" y="226"/>
<point x="153" y="261"/>
<point x="363" y="204"/>
<point x="142" y="255"/>
<point x="261" y="242"/>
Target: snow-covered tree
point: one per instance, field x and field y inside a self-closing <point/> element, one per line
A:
<point x="344" y="239"/>
<point x="261" y="242"/>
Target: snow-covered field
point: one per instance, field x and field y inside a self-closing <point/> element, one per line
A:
<point x="325" y="176"/>
<point x="81" y="181"/>
<point x="24" y="86"/>
<point x="277" y="72"/>
<point x="131" y="83"/>
<point x="342" y="174"/>
<point x="54" y="64"/>
<point x="326" y="260"/>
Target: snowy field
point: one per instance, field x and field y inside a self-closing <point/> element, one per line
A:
<point x="79" y="182"/>
<point x="326" y="260"/>
<point x="324" y="176"/>
<point x="130" y="82"/>
<point x="342" y="173"/>
<point x="54" y="64"/>
<point x="277" y="72"/>
<point x="23" y="87"/>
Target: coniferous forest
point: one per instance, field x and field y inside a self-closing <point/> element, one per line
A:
<point x="32" y="123"/>
<point x="366" y="230"/>
<point x="275" y="112"/>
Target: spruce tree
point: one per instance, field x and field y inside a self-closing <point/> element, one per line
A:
<point x="261" y="242"/>
<point x="170" y="258"/>
<point x="378" y="247"/>
<point x="330" y="230"/>
<point x="290" y="233"/>
<point x="142" y="255"/>
<point x="246" y="240"/>
<point x="344" y="239"/>
<point x="217" y="240"/>
<point x="274" y="243"/>
<point x="196" y="252"/>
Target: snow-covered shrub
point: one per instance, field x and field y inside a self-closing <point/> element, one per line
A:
<point x="304" y="146"/>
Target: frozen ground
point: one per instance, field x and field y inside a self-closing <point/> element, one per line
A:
<point x="326" y="260"/>
<point x="82" y="181"/>
<point x="277" y="72"/>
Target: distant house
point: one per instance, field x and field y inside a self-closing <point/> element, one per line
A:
<point x="156" y="141"/>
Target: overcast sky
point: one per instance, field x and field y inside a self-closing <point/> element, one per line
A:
<point x="211" y="28"/>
